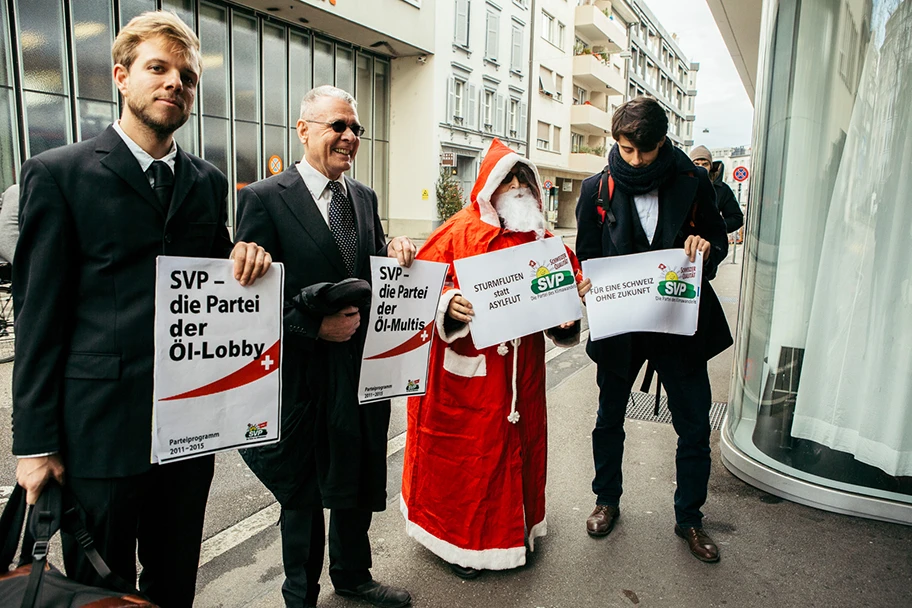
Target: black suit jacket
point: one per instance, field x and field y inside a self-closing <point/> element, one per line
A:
<point x="688" y="197"/>
<point x="83" y="287"/>
<point x="332" y="449"/>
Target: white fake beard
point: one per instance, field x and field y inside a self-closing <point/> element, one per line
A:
<point x="520" y="212"/>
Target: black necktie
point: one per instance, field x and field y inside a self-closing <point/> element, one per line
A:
<point x="342" y="225"/>
<point x="163" y="182"/>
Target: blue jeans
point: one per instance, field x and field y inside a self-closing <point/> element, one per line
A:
<point x="689" y="400"/>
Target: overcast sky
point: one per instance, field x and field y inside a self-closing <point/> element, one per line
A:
<point x="723" y="106"/>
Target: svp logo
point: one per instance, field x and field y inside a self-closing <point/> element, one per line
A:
<point x="413" y="385"/>
<point x="673" y="287"/>
<point x="256" y="431"/>
<point x="546" y="277"/>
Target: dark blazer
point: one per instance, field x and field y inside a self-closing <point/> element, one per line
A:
<point x="332" y="450"/>
<point x="83" y="287"/>
<point x="687" y="196"/>
<point x="725" y="199"/>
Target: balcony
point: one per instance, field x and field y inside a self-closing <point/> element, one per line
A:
<point x="583" y="162"/>
<point x="592" y="24"/>
<point x="590" y="72"/>
<point x="590" y="120"/>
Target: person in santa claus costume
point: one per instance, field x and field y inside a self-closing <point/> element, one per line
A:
<point x="473" y="487"/>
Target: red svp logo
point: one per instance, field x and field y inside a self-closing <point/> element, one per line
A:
<point x="262" y="366"/>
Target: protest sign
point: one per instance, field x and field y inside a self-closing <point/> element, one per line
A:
<point x="657" y="291"/>
<point x="398" y="343"/>
<point x="519" y="291"/>
<point x="218" y="349"/>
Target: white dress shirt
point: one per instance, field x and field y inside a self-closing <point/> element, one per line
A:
<point x="144" y="158"/>
<point x="648" y="209"/>
<point x="318" y="184"/>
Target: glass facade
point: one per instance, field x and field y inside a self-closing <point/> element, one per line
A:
<point x="56" y="85"/>
<point x="822" y="388"/>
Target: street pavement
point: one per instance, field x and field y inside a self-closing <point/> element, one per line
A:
<point x="774" y="553"/>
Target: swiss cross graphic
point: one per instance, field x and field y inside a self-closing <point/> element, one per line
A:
<point x="740" y="174"/>
<point x="424" y="336"/>
<point x="267" y="363"/>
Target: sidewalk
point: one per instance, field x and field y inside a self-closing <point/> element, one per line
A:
<point x="775" y="554"/>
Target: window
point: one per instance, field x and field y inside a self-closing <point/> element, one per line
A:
<point x="555" y="138"/>
<point x="492" y="37"/>
<point x="543" y="142"/>
<point x="461" y="34"/>
<point x="459" y="100"/>
<point x="545" y="81"/>
<point x="547" y="26"/>
<point x="561" y="32"/>
<point x="488" y="110"/>
<point x="516" y="47"/>
<point x="513" y="118"/>
<point x="580" y="95"/>
<point x="558" y="87"/>
<point x="577" y="142"/>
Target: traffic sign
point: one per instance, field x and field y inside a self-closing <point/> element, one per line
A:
<point x="548" y="184"/>
<point x="740" y="174"/>
<point x="275" y="164"/>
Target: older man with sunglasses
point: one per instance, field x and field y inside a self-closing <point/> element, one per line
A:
<point x="473" y="489"/>
<point x="324" y="226"/>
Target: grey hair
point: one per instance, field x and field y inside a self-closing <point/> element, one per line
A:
<point x="310" y="98"/>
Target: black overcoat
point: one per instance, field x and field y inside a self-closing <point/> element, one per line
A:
<point x="688" y="196"/>
<point x="84" y="291"/>
<point x="333" y="450"/>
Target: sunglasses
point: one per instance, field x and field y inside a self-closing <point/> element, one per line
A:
<point x="339" y="126"/>
<point x="522" y="176"/>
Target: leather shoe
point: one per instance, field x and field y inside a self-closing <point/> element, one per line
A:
<point x="464" y="572"/>
<point x="699" y="543"/>
<point x="602" y="519"/>
<point x="382" y="596"/>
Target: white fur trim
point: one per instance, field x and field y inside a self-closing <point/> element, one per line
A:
<point x="539" y="529"/>
<point x="442" y="305"/>
<point x="486" y="559"/>
<point x="500" y="170"/>
<point x="467" y="367"/>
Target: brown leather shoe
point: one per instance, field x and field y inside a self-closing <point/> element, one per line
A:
<point x="699" y="543"/>
<point x="602" y="519"/>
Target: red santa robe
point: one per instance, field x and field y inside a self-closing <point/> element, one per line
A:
<point x="473" y="486"/>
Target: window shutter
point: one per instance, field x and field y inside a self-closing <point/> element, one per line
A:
<point x="523" y="112"/>
<point x="462" y="22"/>
<point x="472" y="97"/>
<point x="450" y="100"/>
<point x="516" y="54"/>
<point x="499" y="116"/>
<point x="491" y="40"/>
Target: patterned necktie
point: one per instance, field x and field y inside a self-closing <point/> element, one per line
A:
<point x="163" y="182"/>
<point x="342" y="225"/>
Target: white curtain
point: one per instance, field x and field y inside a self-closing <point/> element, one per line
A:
<point x="855" y="392"/>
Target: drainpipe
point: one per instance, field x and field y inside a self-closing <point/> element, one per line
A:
<point x="534" y="19"/>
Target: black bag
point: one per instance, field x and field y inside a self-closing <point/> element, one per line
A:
<point x="37" y="584"/>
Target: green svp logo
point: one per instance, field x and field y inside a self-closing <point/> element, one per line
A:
<point x="672" y="287"/>
<point x="545" y="280"/>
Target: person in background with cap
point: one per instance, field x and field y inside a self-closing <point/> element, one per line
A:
<point x="725" y="198"/>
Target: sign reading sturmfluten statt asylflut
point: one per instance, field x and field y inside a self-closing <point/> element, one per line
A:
<point x="519" y="291"/>
<point x="657" y="291"/>
<point x="218" y="353"/>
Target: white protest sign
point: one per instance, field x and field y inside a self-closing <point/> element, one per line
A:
<point x="218" y="348"/>
<point x="657" y="291"/>
<point x="398" y="344"/>
<point x="519" y="291"/>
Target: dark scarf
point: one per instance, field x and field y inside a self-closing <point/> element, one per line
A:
<point x="635" y="181"/>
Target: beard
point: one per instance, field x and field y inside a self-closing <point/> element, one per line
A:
<point x="519" y="211"/>
<point x="162" y="127"/>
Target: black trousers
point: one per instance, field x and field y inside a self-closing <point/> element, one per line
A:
<point x="303" y="534"/>
<point x="689" y="400"/>
<point x="161" y="511"/>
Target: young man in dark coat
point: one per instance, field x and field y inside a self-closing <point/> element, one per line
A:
<point x="324" y="226"/>
<point x="94" y="216"/>
<point x="725" y="198"/>
<point x="660" y="201"/>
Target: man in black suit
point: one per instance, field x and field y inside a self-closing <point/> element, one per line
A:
<point x="94" y="215"/>
<point x="659" y="201"/>
<point x="324" y="226"/>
